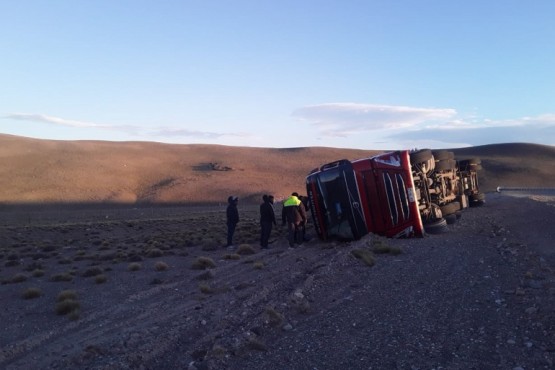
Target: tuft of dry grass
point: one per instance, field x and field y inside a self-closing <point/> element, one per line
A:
<point x="233" y="256"/>
<point x="275" y="318"/>
<point x="161" y="266"/>
<point x="206" y="288"/>
<point x="245" y="249"/>
<point x="19" y="278"/>
<point x="380" y="246"/>
<point x="259" y="265"/>
<point x="67" y="304"/>
<point x="92" y="271"/>
<point x="134" y="266"/>
<point x="154" y="253"/>
<point x="38" y="273"/>
<point x="365" y="255"/>
<point x="202" y="263"/>
<point x="61" y="277"/>
<point x="31" y="293"/>
<point x="100" y="279"/>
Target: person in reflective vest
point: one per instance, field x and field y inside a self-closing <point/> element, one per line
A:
<point x="294" y="215"/>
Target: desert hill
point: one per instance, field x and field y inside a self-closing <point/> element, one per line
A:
<point x="36" y="171"/>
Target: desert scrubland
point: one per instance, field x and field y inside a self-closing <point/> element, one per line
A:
<point x="111" y="257"/>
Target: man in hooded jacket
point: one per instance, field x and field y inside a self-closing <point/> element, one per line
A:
<point x="232" y="215"/>
<point x="267" y="219"/>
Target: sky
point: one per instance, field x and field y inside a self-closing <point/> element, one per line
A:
<point x="359" y="74"/>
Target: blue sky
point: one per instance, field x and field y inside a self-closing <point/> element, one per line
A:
<point x="351" y="74"/>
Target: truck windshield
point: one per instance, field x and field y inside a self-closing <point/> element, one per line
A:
<point x="336" y="205"/>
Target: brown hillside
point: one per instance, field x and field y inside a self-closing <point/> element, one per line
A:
<point x="34" y="170"/>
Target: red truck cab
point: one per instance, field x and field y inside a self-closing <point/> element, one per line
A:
<point x="370" y="195"/>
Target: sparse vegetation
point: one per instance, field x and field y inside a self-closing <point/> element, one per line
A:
<point x="31" y="293"/>
<point x="258" y="265"/>
<point x="245" y="249"/>
<point x="233" y="256"/>
<point x="381" y="246"/>
<point x="61" y="277"/>
<point x="365" y="255"/>
<point x="19" y="278"/>
<point x="100" y="279"/>
<point x="161" y="266"/>
<point x="134" y="266"/>
<point x="274" y="317"/>
<point x="206" y="288"/>
<point x="92" y="271"/>
<point x="38" y="273"/>
<point x="67" y="304"/>
<point x="202" y="263"/>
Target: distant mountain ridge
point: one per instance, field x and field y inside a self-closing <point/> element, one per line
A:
<point x="38" y="171"/>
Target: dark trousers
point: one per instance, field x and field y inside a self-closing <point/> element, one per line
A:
<point x="230" y="232"/>
<point x="265" y="231"/>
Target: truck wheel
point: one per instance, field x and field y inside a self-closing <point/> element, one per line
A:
<point x="446" y="165"/>
<point x="451" y="219"/>
<point x="450" y="208"/>
<point x="438" y="226"/>
<point x="477" y="199"/>
<point x="472" y="161"/>
<point x="442" y="155"/>
<point x="421" y="156"/>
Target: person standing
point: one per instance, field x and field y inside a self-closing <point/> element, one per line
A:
<point x="294" y="214"/>
<point x="232" y="215"/>
<point x="267" y="219"/>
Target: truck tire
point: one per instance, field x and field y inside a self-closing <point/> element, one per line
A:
<point x="421" y="156"/>
<point x="442" y="155"/>
<point x="477" y="199"/>
<point x="438" y="226"/>
<point x="471" y="161"/>
<point x="450" y="208"/>
<point x="446" y="165"/>
<point x="451" y="219"/>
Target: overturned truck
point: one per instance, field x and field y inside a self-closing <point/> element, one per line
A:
<point x="395" y="194"/>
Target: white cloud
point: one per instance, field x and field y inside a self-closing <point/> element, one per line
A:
<point x="49" y="119"/>
<point x="172" y="131"/>
<point x="167" y="132"/>
<point x="343" y="119"/>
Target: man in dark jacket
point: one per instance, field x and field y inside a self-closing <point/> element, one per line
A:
<point x="267" y="219"/>
<point x="232" y="218"/>
<point x="294" y="214"/>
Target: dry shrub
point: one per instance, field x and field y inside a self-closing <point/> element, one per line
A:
<point x="206" y="288"/>
<point x="134" y="266"/>
<point x="380" y="246"/>
<point x="274" y="317"/>
<point x="61" y="277"/>
<point x="92" y="271"/>
<point x="209" y="245"/>
<point x="100" y="279"/>
<point x="365" y="255"/>
<point x="67" y="304"/>
<point x="31" y="293"/>
<point x="202" y="263"/>
<point x="258" y="265"/>
<point x="37" y="273"/>
<point x="245" y="249"/>
<point x="161" y="266"/>
<point x="233" y="256"/>
<point x="19" y="278"/>
<point x="154" y="253"/>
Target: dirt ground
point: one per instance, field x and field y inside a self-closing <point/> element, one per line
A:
<point x="481" y="296"/>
